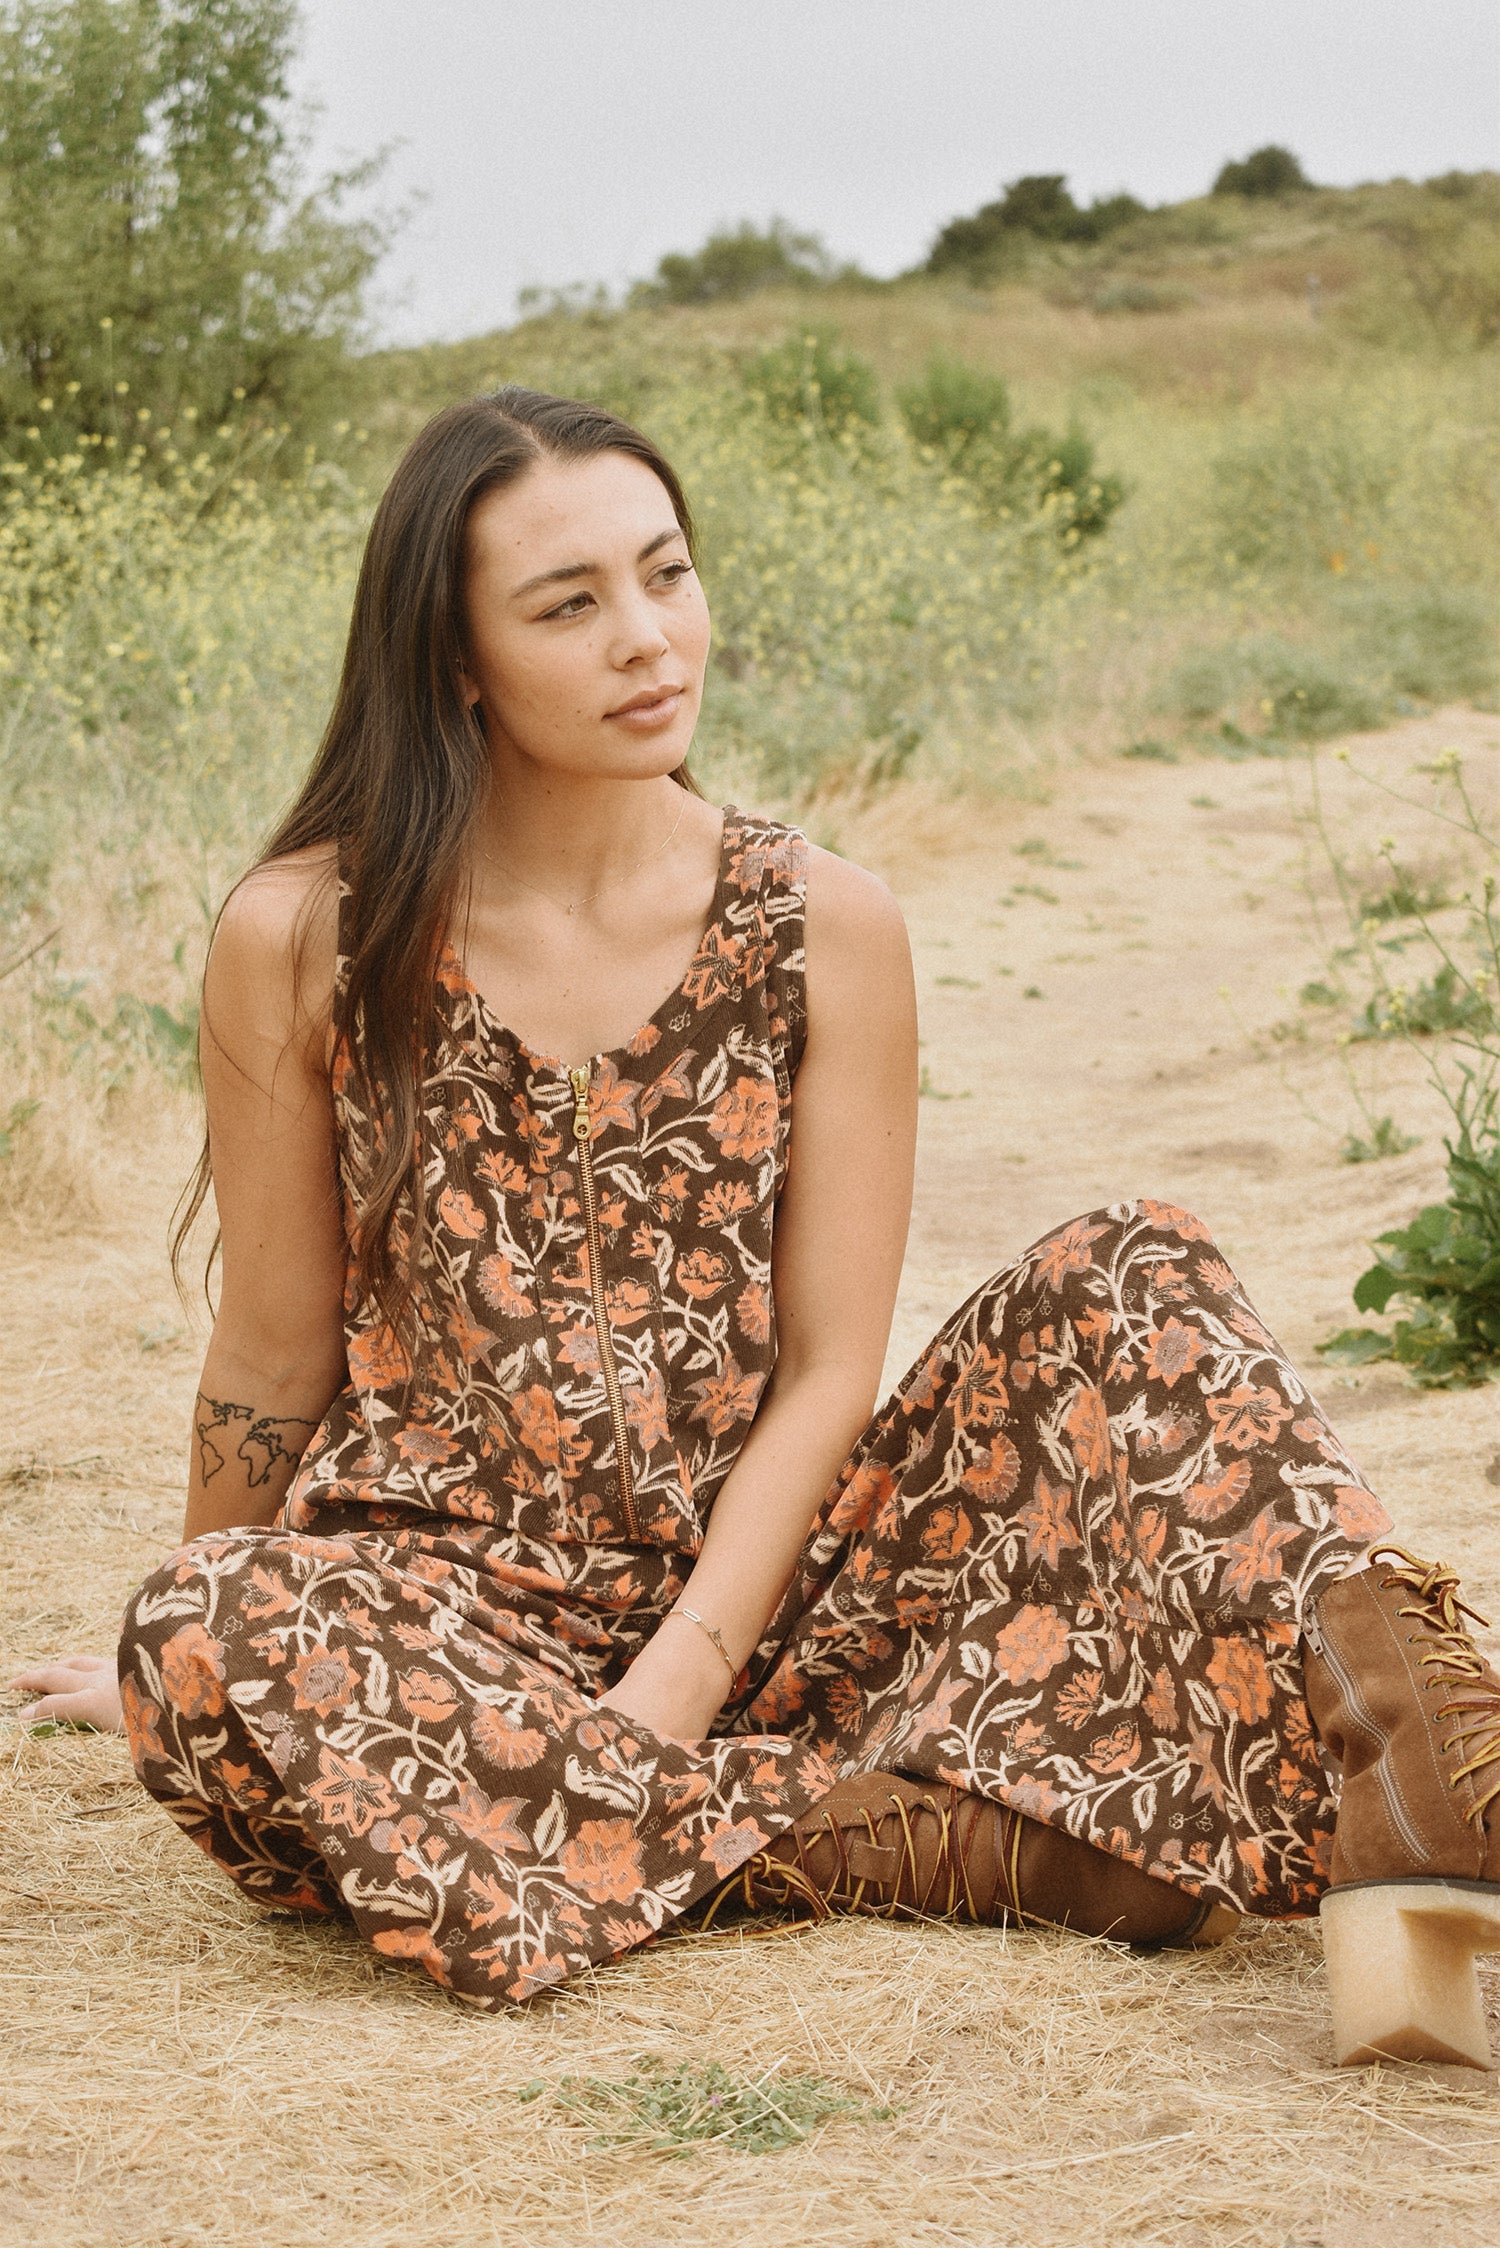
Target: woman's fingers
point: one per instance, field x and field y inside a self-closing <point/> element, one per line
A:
<point x="74" y="1690"/>
<point x="67" y="1671"/>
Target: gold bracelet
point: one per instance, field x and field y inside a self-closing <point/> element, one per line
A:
<point x="709" y="1632"/>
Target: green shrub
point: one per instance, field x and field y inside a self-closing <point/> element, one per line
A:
<point x="1432" y="643"/>
<point x="810" y="381"/>
<point x="735" y="263"/>
<point x="1288" y="691"/>
<point x="1038" y="208"/>
<point x="962" y="414"/>
<point x="1270" y="171"/>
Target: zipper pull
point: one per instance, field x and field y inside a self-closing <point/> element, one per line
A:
<point x="579" y="1080"/>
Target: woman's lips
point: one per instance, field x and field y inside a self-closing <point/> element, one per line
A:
<point x="649" y="717"/>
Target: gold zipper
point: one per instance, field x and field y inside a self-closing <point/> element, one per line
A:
<point x="583" y="1132"/>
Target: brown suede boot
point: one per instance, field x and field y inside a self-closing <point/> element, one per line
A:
<point x="892" y="1848"/>
<point x="1410" y="1709"/>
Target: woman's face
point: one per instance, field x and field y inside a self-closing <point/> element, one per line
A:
<point x="586" y="625"/>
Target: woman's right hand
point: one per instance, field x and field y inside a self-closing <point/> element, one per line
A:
<point x="75" y="1690"/>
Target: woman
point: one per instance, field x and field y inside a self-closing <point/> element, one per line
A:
<point x="545" y="1577"/>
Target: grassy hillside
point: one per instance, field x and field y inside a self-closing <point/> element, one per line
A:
<point x="1306" y="542"/>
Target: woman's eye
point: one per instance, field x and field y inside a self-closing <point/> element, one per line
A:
<point x="674" y="572"/>
<point x="574" y="606"/>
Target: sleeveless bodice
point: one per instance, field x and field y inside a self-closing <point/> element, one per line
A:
<point x="592" y="1319"/>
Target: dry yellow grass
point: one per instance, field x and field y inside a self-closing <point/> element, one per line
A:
<point x="178" y="2069"/>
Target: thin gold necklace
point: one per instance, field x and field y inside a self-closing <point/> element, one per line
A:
<point x="589" y="895"/>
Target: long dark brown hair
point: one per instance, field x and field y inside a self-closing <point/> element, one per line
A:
<point x="399" y="776"/>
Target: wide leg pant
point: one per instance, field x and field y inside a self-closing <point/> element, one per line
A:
<point x="1064" y="1568"/>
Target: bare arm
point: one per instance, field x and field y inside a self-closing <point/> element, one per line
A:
<point x="276" y="1356"/>
<point x="841" y="1230"/>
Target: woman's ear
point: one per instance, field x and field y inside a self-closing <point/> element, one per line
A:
<point x="467" y="688"/>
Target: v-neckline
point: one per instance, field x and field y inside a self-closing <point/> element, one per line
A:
<point x="457" y="976"/>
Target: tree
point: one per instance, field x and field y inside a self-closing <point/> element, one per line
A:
<point x="155" y="243"/>
<point x="1269" y="171"/>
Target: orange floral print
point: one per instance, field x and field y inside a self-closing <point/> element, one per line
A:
<point x="1359" y="1513"/>
<point x="603" y="1861"/>
<point x="703" y="1273"/>
<point x="1172" y="1220"/>
<point x="1248" y="1416"/>
<point x="324" y="1679"/>
<point x="427" y="1694"/>
<point x="994" y="1471"/>
<point x="192" y="1671"/>
<point x="752" y="1311"/>
<point x="947" y="1533"/>
<point x="1255" y="1555"/>
<point x="980" y="1398"/>
<point x="1238" y="1673"/>
<point x="725" y="1398"/>
<point x="1116" y="1750"/>
<point x="1078" y="1697"/>
<point x="461" y="1214"/>
<point x="497" y="1284"/>
<point x="744" y="1119"/>
<point x="1205" y="1502"/>
<point x="1048" y="1520"/>
<point x="1087" y="1425"/>
<point x="1032" y="1645"/>
<point x="1174" y="1350"/>
<point x="725" y="1201"/>
<point x="1067" y="1252"/>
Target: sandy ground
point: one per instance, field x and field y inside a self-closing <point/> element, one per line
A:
<point x="179" y="2070"/>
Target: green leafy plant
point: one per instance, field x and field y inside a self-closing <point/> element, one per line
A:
<point x="811" y="381"/>
<point x="1440" y="1272"/>
<point x="962" y="415"/>
<point x="1445" y="1001"/>
<point x="1445" y="1267"/>
<point x="1385" y="1137"/>
<point x="676" y="2108"/>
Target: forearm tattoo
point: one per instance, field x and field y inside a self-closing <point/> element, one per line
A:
<point x="265" y="1439"/>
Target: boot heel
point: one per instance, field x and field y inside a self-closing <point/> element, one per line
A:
<point x="1402" y="1983"/>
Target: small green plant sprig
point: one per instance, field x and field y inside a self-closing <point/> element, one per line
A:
<point x="682" y="2107"/>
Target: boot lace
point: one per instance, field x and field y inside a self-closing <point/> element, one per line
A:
<point x="931" y="1879"/>
<point x="1451" y="1656"/>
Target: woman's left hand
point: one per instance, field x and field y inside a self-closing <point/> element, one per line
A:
<point x="75" y="1690"/>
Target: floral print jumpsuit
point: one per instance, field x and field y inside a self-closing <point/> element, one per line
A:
<point x="1063" y="1566"/>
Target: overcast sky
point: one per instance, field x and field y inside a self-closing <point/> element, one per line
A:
<point x="576" y="140"/>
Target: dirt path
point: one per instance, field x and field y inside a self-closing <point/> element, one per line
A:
<point x="178" y="2070"/>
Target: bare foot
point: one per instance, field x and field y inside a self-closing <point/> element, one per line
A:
<point x="75" y="1690"/>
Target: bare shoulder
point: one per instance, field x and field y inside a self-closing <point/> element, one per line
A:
<point x="851" y="915"/>
<point x="274" y="944"/>
<point x="859" y="971"/>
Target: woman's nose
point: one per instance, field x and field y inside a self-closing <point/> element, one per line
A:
<point x="640" y="638"/>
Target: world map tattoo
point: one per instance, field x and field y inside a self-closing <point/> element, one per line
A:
<point x="265" y="1439"/>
